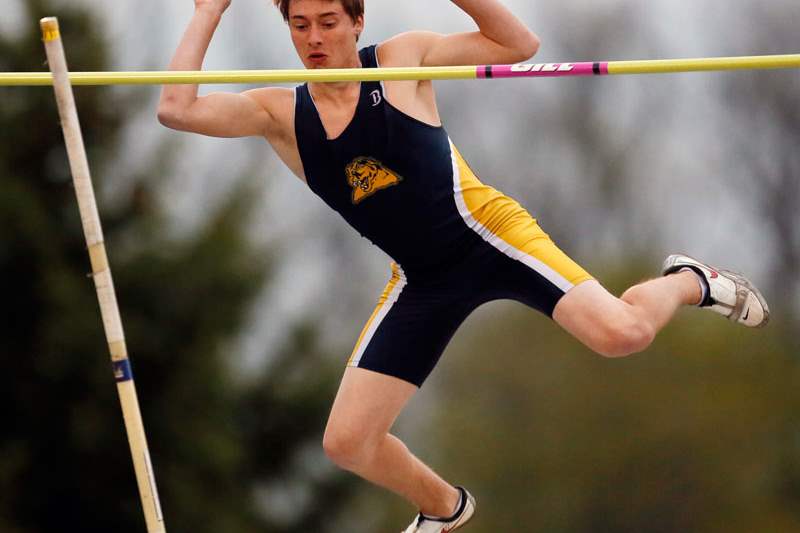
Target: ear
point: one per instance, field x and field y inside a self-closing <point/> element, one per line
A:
<point x="358" y="25"/>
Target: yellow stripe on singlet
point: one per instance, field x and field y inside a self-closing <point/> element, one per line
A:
<point x="505" y="224"/>
<point x="384" y="304"/>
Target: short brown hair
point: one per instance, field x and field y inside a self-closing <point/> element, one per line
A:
<point x="354" y="8"/>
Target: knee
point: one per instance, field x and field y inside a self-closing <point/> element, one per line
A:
<point x="623" y="337"/>
<point x="346" y="447"/>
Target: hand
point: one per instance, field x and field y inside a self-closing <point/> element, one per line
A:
<point x="215" y="6"/>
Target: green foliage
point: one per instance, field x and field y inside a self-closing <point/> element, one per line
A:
<point x="219" y="443"/>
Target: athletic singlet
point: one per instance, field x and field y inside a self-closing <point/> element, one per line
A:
<point x="459" y="243"/>
<point x="398" y="181"/>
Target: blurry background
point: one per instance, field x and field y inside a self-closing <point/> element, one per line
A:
<point x="242" y="295"/>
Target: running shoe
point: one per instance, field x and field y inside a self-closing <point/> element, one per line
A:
<point x="729" y="294"/>
<point x="427" y="524"/>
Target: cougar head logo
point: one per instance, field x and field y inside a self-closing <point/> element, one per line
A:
<point x="367" y="176"/>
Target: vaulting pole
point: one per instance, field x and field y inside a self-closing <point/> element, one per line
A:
<point x="525" y="70"/>
<point x="101" y="273"/>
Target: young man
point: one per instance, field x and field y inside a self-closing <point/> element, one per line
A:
<point x="377" y="154"/>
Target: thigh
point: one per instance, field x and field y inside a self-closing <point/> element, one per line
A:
<point x="368" y="403"/>
<point x="587" y="310"/>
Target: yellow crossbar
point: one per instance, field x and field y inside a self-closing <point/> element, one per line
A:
<point x="657" y="66"/>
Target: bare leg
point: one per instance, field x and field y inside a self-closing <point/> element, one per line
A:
<point x="357" y="439"/>
<point x="658" y="299"/>
<point x="357" y="436"/>
<point x="617" y="327"/>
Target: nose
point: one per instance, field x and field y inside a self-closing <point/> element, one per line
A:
<point x="314" y="35"/>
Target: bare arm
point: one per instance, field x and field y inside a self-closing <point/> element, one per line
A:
<point x="218" y="114"/>
<point x="501" y="38"/>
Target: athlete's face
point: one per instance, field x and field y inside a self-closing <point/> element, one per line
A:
<point x="323" y="34"/>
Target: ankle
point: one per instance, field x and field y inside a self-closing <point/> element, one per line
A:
<point x="445" y="507"/>
<point x="699" y="292"/>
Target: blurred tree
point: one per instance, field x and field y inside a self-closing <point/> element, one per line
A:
<point x="230" y="453"/>
<point x="763" y="124"/>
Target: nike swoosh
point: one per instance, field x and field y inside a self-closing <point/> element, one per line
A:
<point x="747" y="314"/>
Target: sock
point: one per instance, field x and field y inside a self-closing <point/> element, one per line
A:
<point x="452" y="516"/>
<point x="704" y="289"/>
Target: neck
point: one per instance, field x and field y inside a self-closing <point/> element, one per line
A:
<point x="337" y="90"/>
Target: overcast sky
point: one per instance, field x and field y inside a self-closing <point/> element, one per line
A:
<point x="144" y="33"/>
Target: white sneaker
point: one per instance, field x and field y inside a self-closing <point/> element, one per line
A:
<point x="426" y="524"/>
<point x="729" y="294"/>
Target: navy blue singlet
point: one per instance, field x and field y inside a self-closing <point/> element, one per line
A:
<point x="456" y="243"/>
<point x="389" y="175"/>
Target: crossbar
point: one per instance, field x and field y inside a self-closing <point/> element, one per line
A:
<point x="524" y="70"/>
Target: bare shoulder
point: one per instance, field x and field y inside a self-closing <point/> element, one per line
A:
<point x="414" y="98"/>
<point x="406" y="49"/>
<point x="277" y="101"/>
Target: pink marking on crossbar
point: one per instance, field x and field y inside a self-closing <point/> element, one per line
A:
<point x="542" y="70"/>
